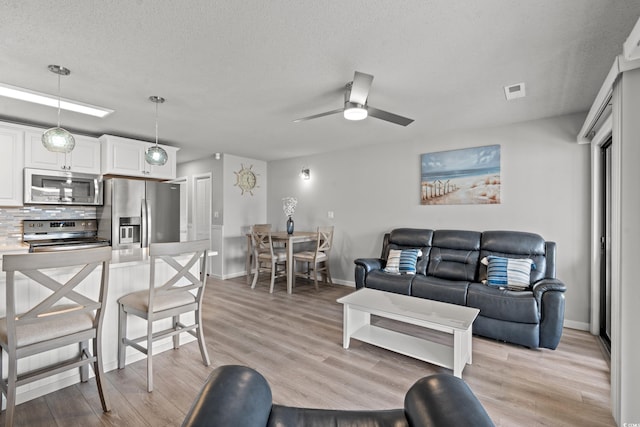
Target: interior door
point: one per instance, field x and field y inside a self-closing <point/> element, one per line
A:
<point x="605" y="245"/>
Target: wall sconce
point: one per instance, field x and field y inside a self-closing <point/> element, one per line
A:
<point x="305" y="174"/>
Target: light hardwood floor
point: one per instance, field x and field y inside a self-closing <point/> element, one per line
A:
<point x="295" y="341"/>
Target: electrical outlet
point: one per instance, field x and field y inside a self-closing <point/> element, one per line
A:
<point x="216" y="214"/>
<point x="330" y="214"/>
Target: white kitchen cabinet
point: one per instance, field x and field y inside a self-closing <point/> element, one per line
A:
<point x="84" y="158"/>
<point x="124" y="156"/>
<point x="11" y="161"/>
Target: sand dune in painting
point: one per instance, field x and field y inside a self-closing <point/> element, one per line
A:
<point x="479" y="189"/>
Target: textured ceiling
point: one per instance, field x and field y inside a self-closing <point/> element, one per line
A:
<point x="236" y="73"/>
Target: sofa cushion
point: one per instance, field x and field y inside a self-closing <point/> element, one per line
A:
<point x="454" y="255"/>
<point x="515" y="244"/>
<point x="503" y="304"/>
<point x="397" y="283"/>
<point x="512" y="273"/>
<point x="440" y="289"/>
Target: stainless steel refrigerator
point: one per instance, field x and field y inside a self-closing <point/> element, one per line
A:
<point x="136" y="213"/>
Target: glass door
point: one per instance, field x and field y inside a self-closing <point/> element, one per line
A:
<point x="605" y="246"/>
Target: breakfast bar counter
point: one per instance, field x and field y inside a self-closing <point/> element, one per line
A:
<point x="128" y="272"/>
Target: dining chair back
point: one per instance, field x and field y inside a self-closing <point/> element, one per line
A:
<point x="267" y="258"/>
<point x="316" y="261"/>
<point x="182" y="292"/>
<point x="59" y="311"/>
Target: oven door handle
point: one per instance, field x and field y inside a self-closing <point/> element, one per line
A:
<point x="56" y="248"/>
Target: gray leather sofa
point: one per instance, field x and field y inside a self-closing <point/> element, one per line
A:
<point x="239" y="396"/>
<point x="450" y="271"/>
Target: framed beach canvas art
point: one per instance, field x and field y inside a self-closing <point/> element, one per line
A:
<point x="461" y="177"/>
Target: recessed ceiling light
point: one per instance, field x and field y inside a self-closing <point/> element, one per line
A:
<point x="514" y="91"/>
<point x="52" y="101"/>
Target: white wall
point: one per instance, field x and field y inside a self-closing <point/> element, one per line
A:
<point x="628" y="374"/>
<point x="241" y="211"/>
<point x="236" y="211"/>
<point x="215" y="168"/>
<point x="372" y="190"/>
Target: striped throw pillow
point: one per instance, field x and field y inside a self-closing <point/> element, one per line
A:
<point x="393" y="261"/>
<point x="508" y="272"/>
<point x="408" y="260"/>
<point x="402" y="261"/>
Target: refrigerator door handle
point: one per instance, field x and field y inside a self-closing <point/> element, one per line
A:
<point x="145" y="224"/>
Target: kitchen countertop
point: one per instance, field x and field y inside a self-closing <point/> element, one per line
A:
<point x="120" y="258"/>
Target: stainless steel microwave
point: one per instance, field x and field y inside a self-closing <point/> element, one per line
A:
<point x="49" y="187"/>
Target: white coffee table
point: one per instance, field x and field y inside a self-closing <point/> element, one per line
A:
<point x="450" y="318"/>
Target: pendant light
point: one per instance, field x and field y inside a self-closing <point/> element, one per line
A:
<point x="156" y="155"/>
<point x="57" y="139"/>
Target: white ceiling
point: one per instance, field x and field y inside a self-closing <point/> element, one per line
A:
<point x="236" y="73"/>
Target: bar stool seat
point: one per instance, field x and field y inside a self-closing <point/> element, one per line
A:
<point x="140" y="300"/>
<point x="34" y="333"/>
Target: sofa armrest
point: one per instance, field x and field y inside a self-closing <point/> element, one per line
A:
<point x="549" y="294"/>
<point x="363" y="267"/>
<point x="545" y="285"/>
<point x="444" y="400"/>
<point x="232" y="396"/>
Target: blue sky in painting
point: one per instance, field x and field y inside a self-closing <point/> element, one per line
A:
<point x="465" y="160"/>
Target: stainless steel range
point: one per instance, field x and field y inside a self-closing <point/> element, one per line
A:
<point x="60" y="235"/>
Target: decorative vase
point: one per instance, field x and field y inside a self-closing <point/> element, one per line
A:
<point x="290" y="226"/>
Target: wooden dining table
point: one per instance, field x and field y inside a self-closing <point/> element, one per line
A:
<point x="289" y="240"/>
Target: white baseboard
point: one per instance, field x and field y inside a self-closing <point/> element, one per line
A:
<point x="343" y="282"/>
<point x="232" y="275"/>
<point x="581" y="326"/>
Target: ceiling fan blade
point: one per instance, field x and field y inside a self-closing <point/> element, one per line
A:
<point x="390" y="117"/>
<point x="360" y="87"/>
<point x="315" y="116"/>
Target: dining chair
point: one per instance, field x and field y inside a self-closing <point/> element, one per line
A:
<point x="180" y="293"/>
<point x="267" y="258"/>
<point x="60" y="311"/>
<point x="316" y="261"/>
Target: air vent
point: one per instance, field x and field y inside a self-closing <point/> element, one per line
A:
<point x="514" y="91"/>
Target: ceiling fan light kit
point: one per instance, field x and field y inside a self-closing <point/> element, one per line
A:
<point x="58" y="139"/>
<point x="156" y="155"/>
<point x="355" y="103"/>
<point x="354" y="111"/>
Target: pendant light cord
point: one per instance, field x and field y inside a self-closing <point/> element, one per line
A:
<point x="156" y="124"/>
<point x="58" y="100"/>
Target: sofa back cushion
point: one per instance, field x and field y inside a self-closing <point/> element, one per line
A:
<point x="515" y="244"/>
<point x="454" y="255"/>
<point x="410" y="238"/>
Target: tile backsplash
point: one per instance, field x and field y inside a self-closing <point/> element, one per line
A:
<point x="11" y="218"/>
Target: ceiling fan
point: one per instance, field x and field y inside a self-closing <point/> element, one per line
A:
<point x="355" y="103"/>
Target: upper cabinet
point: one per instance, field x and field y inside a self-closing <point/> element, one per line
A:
<point x="123" y="156"/>
<point x="84" y="158"/>
<point x="11" y="161"/>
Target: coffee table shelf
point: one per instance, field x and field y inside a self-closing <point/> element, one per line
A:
<point x="449" y="318"/>
<point x="418" y="348"/>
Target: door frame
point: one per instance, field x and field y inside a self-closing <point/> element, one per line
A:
<point x="194" y="202"/>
